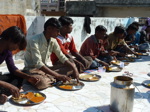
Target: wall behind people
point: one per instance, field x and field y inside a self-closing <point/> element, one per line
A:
<point x="35" y="26"/>
<point x="23" y="7"/>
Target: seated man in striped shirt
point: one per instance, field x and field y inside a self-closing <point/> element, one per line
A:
<point x="67" y="45"/>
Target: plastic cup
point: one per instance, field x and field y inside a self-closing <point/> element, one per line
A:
<point x="101" y="69"/>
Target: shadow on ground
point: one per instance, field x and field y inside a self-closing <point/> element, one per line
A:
<point x="103" y="108"/>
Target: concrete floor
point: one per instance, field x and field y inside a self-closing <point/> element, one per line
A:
<point x="94" y="97"/>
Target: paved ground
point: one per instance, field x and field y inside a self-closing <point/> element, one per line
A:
<point x="94" y="97"/>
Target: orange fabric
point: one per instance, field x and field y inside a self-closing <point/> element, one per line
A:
<point x="7" y="21"/>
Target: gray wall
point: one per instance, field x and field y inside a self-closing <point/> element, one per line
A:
<point x="125" y="2"/>
<point x="123" y="12"/>
<point x="24" y="7"/>
<point x="109" y="8"/>
<point x="35" y="26"/>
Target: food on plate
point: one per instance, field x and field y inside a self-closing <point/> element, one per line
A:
<point x="29" y="95"/>
<point x="38" y="95"/>
<point x="113" y="69"/>
<point x="94" y="78"/>
<point x="37" y="99"/>
<point x="66" y="86"/>
<point x="22" y="99"/>
<point x="89" y="77"/>
<point x="115" y="62"/>
<point x="148" y="84"/>
<point x="26" y="98"/>
<point x="140" y="53"/>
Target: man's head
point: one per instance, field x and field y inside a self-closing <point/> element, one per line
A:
<point x="119" y="32"/>
<point x="136" y="24"/>
<point x="132" y="29"/>
<point x="52" y="27"/>
<point x="15" y="37"/>
<point x="66" y="23"/>
<point x="100" y="32"/>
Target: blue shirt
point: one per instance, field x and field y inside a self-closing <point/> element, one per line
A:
<point x="137" y="38"/>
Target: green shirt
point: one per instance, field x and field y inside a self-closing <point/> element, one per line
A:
<point x="38" y="52"/>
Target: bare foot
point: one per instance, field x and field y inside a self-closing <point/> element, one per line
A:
<point x="3" y="98"/>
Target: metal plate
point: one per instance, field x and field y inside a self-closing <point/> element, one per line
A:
<point x="114" y="69"/>
<point x="133" y="56"/>
<point x="143" y="54"/>
<point x="146" y="83"/>
<point x="33" y="99"/>
<point x="148" y="74"/>
<point x="70" y="86"/>
<point x="127" y="59"/>
<point x="89" y="77"/>
<point x="117" y="63"/>
<point x="126" y="63"/>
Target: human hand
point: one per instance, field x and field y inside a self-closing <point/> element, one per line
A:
<point x="79" y="64"/>
<point x="33" y="80"/>
<point x="3" y="98"/>
<point x="122" y="54"/>
<point x="105" y="64"/>
<point x="63" y="78"/>
<point x="14" y="90"/>
<point x="75" y="75"/>
<point x="114" y="53"/>
<point x="86" y="63"/>
<point x="136" y="54"/>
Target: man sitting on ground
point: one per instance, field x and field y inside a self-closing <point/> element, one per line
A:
<point x="67" y="44"/>
<point x="38" y="50"/>
<point x="117" y="44"/>
<point x="94" y="46"/>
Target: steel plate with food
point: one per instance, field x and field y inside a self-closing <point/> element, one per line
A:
<point x="133" y="56"/>
<point x="73" y="85"/>
<point x="127" y="59"/>
<point x="89" y="77"/>
<point x="146" y="83"/>
<point x="114" y="69"/>
<point x="142" y="54"/>
<point x="28" y="98"/>
<point x="114" y="62"/>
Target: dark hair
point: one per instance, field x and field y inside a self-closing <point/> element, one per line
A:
<point x="132" y="27"/>
<point x="119" y="30"/>
<point x="52" y="22"/>
<point x="136" y="23"/>
<point x="146" y="22"/>
<point x="100" y="28"/>
<point x="16" y="35"/>
<point x="65" y="20"/>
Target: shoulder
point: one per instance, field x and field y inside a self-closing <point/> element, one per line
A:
<point x="36" y="37"/>
<point x="110" y="35"/>
<point x="59" y="37"/>
<point x="90" y="39"/>
<point x="7" y="53"/>
<point x="53" y="40"/>
<point x="70" y="36"/>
